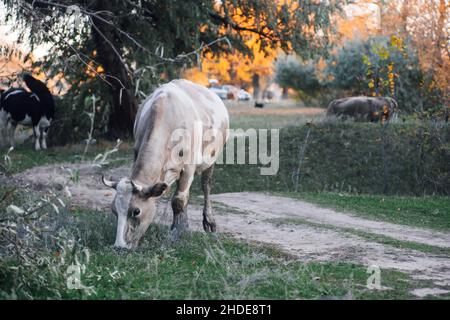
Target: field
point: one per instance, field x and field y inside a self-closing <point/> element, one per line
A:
<point x="324" y="241"/>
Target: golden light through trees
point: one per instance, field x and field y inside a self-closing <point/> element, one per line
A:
<point x="239" y="69"/>
<point x="236" y="68"/>
<point x="426" y="23"/>
<point x="254" y="68"/>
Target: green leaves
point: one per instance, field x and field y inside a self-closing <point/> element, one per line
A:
<point x="384" y="66"/>
<point x="291" y="72"/>
<point x="381" y="51"/>
<point x="117" y="41"/>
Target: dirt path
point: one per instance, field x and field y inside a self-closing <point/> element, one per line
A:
<point x="320" y="235"/>
<point x="296" y="227"/>
<point x="273" y="207"/>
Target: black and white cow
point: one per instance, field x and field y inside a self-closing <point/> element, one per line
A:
<point x="35" y="109"/>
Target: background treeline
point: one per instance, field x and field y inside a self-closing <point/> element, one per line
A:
<point x="377" y="66"/>
<point x="120" y="50"/>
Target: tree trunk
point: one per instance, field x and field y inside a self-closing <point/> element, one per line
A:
<point x="380" y="19"/>
<point x="285" y="93"/>
<point x="124" y="102"/>
<point x="440" y="38"/>
<point x="404" y="14"/>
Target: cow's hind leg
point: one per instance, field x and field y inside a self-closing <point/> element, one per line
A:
<point x="11" y="130"/>
<point x="180" y="201"/>
<point x="37" y="138"/>
<point x="44" y="131"/>
<point x="3" y="135"/>
<point x="209" y="224"/>
<point x="3" y="131"/>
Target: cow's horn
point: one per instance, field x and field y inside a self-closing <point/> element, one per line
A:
<point x="109" y="183"/>
<point x="144" y="191"/>
<point x="136" y="187"/>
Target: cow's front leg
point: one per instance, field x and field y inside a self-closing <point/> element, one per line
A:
<point x="37" y="138"/>
<point x="180" y="201"/>
<point x="209" y="224"/>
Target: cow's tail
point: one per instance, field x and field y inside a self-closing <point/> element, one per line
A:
<point x="40" y="90"/>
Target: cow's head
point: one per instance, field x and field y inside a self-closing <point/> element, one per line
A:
<point x="392" y="104"/>
<point x="135" y="207"/>
<point x="390" y="108"/>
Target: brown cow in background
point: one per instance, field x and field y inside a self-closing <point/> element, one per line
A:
<point x="362" y="108"/>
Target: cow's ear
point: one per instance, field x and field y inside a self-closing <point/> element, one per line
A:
<point x="158" y="189"/>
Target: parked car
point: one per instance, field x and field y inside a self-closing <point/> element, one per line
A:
<point x="222" y="93"/>
<point x="231" y="92"/>
<point x="244" y="95"/>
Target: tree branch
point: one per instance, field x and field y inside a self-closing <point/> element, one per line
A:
<point x="228" y="22"/>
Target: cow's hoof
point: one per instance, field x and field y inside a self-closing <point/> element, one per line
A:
<point x="180" y="221"/>
<point x="209" y="226"/>
<point x="177" y="206"/>
<point x="177" y="234"/>
<point x="179" y="227"/>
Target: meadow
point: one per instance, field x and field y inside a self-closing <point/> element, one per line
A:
<point x="46" y="239"/>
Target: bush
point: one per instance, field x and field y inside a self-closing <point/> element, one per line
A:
<point x="37" y="246"/>
<point x="72" y="121"/>
<point x="347" y="157"/>
<point x="291" y="72"/>
<point x="385" y="66"/>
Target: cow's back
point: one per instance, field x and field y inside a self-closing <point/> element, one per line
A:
<point x="19" y="104"/>
<point x="207" y="105"/>
<point x="179" y="104"/>
<point x="332" y="106"/>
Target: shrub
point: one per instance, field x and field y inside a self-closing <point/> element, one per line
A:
<point x="37" y="246"/>
<point x="347" y="157"/>
<point x="291" y="72"/>
<point x="72" y="122"/>
<point x="386" y="66"/>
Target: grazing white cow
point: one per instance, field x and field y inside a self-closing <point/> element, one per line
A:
<point x="180" y="131"/>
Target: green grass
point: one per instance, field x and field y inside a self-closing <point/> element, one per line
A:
<point x="426" y="212"/>
<point x="242" y="121"/>
<point x="201" y="266"/>
<point x="214" y="267"/>
<point x="370" y="236"/>
<point x="24" y="157"/>
<point x="347" y="157"/>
